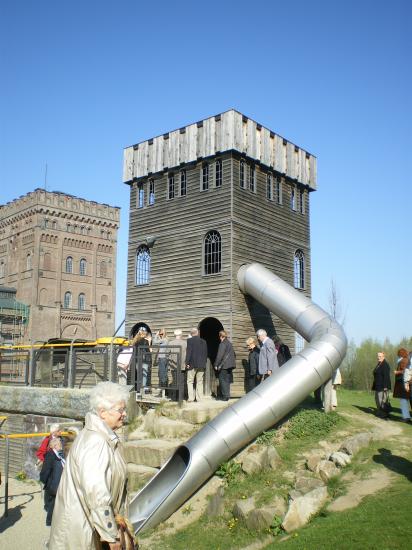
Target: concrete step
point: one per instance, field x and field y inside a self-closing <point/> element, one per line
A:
<point x="150" y="452"/>
<point x="168" y="428"/>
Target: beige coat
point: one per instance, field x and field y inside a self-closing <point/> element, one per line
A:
<point x="91" y="491"/>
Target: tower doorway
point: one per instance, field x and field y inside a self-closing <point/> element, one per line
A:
<point x="209" y="330"/>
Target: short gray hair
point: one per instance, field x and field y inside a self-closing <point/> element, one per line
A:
<point x="106" y="395"/>
<point x="261" y="332"/>
<point x="194" y="331"/>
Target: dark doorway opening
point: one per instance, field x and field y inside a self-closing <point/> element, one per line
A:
<point x="137" y="326"/>
<point x="209" y="330"/>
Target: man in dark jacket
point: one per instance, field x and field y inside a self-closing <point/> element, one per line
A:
<point x="252" y="365"/>
<point x="381" y="385"/>
<point x="283" y="351"/>
<point x="224" y="364"/>
<point x="196" y="357"/>
<point x="50" y="475"/>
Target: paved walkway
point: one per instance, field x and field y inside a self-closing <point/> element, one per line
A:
<point x="25" y="526"/>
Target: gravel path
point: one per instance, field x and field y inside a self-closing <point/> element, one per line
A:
<point x="25" y="526"/>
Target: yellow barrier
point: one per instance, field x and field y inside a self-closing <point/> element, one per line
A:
<point x="22" y="436"/>
<point x="117" y="341"/>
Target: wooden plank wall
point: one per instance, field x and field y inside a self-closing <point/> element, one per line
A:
<point x="252" y="227"/>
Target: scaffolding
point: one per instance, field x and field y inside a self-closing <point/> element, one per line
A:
<point x="14" y="317"/>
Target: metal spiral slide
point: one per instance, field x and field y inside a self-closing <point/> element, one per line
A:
<point x="195" y="461"/>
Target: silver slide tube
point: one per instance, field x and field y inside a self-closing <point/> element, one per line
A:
<point x="195" y="461"/>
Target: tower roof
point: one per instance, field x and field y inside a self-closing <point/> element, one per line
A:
<point x="228" y="131"/>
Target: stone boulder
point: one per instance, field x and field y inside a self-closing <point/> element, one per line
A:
<point x="256" y="458"/>
<point x="216" y="504"/>
<point x="260" y="518"/>
<point x="340" y="459"/>
<point x="150" y="452"/>
<point x="305" y="484"/>
<point x="242" y="508"/>
<point x="313" y="460"/>
<point x="303" y="508"/>
<point x="354" y="444"/>
<point x="326" y="470"/>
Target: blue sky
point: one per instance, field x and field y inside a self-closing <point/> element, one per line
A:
<point x="82" y="80"/>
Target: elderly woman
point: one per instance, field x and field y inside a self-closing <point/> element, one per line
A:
<point x="252" y="365"/>
<point x="92" y="489"/>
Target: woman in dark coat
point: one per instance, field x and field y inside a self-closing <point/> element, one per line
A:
<point x="381" y="384"/>
<point x="399" y="389"/>
<point x="224" y="364"/>
<point x="50" y="475"/>
<point x="252" y="365"/>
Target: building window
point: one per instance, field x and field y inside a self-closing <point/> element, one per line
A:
<point x="299" y="269"/>
<point x="47" y="260"/>
<point x="83" y="230"/>
<point x="218" y="174"/>
<point x="293" y="199"/>
<point x="269" y="187"/>
<point x="212" y="253"/>
<point x="277" y="190"/>
<point x="2" y="269"/>
<point x="46" y="223"/>
<point x="140" y="195"/>
<point x="83" y="266"/>
<point x="299" y="342"/>
<point x="69" y="264"/>
<point x="103" y="268"/>
<point x="301" y="201"/>
<point x="205" y="177"/>
<point x="67" y="300"/>
<point x="252" y="179"/>
<point x="28" y="261"/>
<point x="142" y="265"/>
<point x="103" y="302"/>
<point x="82" y="301"/>
<point x="54" y="225"/>
<point x="171" y="187"/>
<point x="242" y="178"/>
<point x="183" y="183"/>
<point x="151" y="192"/>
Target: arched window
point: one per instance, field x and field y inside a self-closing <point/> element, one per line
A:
<point x="142" y="265"/>
<point x="47" y="260"/>
<point x="212" y="253"/>
<point x="103" y="268"/>
<point x="83" y="266"/>
<point x="299" y="269"/>
<point x="67" y="300"/>
<point x="2" y="269"/>
<point x="69" y="264"/>
<point x="82" y="301"/>
<point x="28" y="261"/>
<point x="43" y="300"/>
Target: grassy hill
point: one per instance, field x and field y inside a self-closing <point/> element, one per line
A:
<point x="382" y="519"/>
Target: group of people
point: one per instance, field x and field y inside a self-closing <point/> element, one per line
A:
<point x="265" y="356"/>
<point x="402" y="387"/>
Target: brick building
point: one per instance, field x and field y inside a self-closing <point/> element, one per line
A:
<point x="59" y="253"/>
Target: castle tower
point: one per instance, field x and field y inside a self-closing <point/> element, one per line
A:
<point x="59" y="252"/>
<point x="205" y="199"/>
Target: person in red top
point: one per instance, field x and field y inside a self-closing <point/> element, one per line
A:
<point x="44" y="447"/>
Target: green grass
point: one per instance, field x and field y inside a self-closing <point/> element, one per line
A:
<point x="381" y="521"/>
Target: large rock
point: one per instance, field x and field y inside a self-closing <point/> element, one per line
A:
<point x="305" y="484"/>
<point x="258" y="457"/>
<point x="242" y="508"/>
<point x="200" y="413"/>
<point x="326" y="470"/>
<point x="138" y="475"/>
<point x="340" y="459"/>
<point x="278" y="504"/>
<point x="162" y="426"/>
<point x="302" y="509"/>
<point x="312" y="461"/>
<point x="150" y="452"/>
<point x="354" y="444"/>
<point x="216" y="504"/>
<point x="260" y="518"/>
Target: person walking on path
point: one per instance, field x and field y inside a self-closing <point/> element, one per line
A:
<point x="399" y="390"/>
<point x="252" y="365"/>
<point x="268" y="361"/>
<point x="381" y="385"/>
<point x="50" y="475"/>
<point x="196" y="358"/>
<point x="224" y="364"/>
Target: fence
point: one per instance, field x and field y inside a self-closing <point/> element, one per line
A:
<point x="81" y="366"/>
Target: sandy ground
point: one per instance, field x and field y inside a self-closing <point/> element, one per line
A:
<point x="25" y="525"/>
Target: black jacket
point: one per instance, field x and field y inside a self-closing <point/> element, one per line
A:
<point x="252" y="368"/>
<point x="226" y="358"/>
<point x="196" y="353"/>
<point x="382" y="376"/>
<point x="51" y="472"/>
<point x="283" y="354"/>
